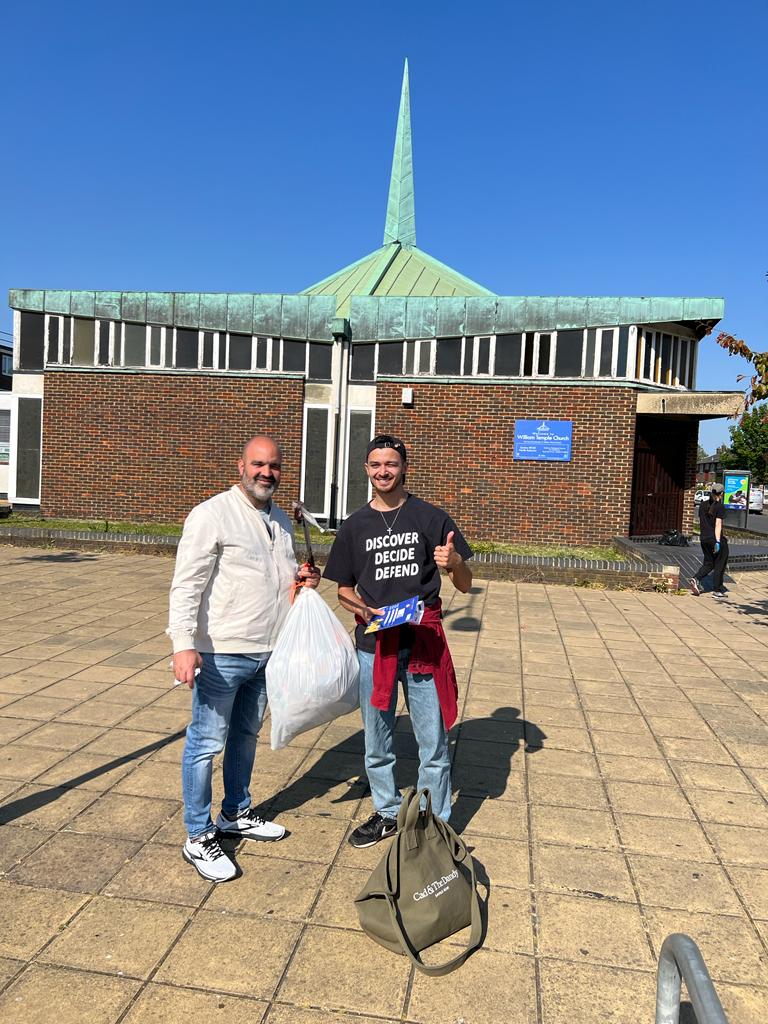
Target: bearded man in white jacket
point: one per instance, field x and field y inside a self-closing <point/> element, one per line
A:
<point x="230" y="593"/>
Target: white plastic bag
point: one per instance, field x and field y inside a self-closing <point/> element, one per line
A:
<point x="312" y="675"/>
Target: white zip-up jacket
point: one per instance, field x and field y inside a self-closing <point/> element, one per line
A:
<point x="231" y="587"/>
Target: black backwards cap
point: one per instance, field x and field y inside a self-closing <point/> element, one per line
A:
<point x="387" y="441"/>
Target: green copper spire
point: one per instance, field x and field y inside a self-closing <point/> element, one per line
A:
<point x="401" y="213"/>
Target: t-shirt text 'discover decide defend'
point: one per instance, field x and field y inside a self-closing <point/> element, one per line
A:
<point x="389" y="556"/>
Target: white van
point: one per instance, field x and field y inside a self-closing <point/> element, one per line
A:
<point x="756" y="498"/>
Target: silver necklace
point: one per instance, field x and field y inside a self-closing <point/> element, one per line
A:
<point x="391" y="528"/>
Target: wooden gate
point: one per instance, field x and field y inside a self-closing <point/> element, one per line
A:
<point x="658" y="484"/>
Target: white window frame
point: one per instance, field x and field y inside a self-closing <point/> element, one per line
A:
<point x="227" y="349"/>
<point x="552" y="347"/>
<point x="342" y="510"/>
<point x="221" y="350"/>
<point x="657" y="346"/>
<point x="674" y="366"/>
<point x="684" y="377"/>
<point x="326" y="510"/>
<point x="649" y="344"/>
<point x="585" y="343"/>
<point x="72" y="338"/>
<point x="10" y="401"/>
<point x="600" y="334"/>
<point x="13" y="460"/>
<point x="660" y="350"/>
<point x="694" y="362"/>
<point x="163" y="347"/>
<point x="349" y="364"/>
<point x="535" y="335"/>
<point x="201" y="350"/>
<point x="420" y="343"/>
<point x="525" y="335"/>
<point x="219" y="341"/>
<point x="173" y="349"/>
<point x="217" y="336"/>
<point x="639" y="354"/>
<point x="404" y="365"/>
<point x="305" y="343"/>
<point x="6" y="364"/>
<point x="60" y="318"/>
<point x="110" y="343"/>
<point x="632" y="341"/>
<point x="7" y="405"/>
<point x="260" y="369"/>
<point x="476" y="354"/>
<point x="119" y="344"/>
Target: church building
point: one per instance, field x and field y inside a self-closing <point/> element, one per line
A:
<point x="531" y="418"/>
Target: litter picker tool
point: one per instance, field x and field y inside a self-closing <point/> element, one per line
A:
<point x="301" y="515"/>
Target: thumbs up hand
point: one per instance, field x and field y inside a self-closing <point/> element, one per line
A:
<point x="446" y="555"/>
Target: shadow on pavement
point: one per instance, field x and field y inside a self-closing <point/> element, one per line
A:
<point x="501" y="734"/>
<point x="466" y="624"/>
<point x="61" y="556"/>
<point x="343" y="764"/>
<point x="755" y="610"/>
<point x="34" y="801"/>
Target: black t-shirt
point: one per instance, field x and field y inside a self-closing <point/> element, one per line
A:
<point x="708" y="514"/>
<point x="389" y="556"/>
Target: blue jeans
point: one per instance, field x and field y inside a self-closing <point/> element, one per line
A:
<point x="431" y="737"/>
<point x="228" y="704"/>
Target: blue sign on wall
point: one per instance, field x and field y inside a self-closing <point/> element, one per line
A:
<point x="543" y="440"/>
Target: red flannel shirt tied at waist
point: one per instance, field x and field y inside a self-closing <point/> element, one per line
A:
<point x="429" y="657"/>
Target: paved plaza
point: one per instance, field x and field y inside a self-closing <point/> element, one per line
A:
<point x="610" y="773"/>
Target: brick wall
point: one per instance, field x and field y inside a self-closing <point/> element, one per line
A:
<point x="689" y="505"/>
<point x="149" y="447"/>
<point x="461" y="440"/>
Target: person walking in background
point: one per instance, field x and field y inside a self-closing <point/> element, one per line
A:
<point x="714" y="543"/>
<point x="235" y="566"/>
<point x="389" y="550"/>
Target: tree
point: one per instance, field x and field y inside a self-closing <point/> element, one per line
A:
<point x="702" y="455"/>
<point x="722" y="452"/>
<point x="749" y="444"/>
<point x="758" y="383"/>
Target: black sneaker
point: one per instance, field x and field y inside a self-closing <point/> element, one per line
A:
<point x="372" y="831"/>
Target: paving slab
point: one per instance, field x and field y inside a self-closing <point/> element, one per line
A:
<point x="610" y="776"/>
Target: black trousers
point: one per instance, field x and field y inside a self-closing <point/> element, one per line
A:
<point x="714" y="562"/>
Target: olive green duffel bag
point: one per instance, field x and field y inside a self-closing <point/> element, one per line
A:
<point x="423" y="889"/>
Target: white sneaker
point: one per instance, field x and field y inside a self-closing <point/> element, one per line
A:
<point x="206" y="855"/>
<point x="249" y="825"/>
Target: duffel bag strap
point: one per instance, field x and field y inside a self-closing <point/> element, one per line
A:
<point x="475" y="935"/>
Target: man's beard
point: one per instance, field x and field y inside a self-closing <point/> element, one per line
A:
<point x="256" y="489"/>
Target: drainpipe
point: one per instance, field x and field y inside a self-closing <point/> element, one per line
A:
<point x="341" y="334"/>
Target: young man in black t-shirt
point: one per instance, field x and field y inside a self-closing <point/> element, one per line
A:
<point x="389" y="550"/>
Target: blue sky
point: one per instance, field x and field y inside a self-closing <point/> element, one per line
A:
<point x="559" y="148"/>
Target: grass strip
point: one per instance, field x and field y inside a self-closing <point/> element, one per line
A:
<point x="591" y="552"/>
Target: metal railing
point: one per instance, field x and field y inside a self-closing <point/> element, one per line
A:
<point x="680" y="960"/>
